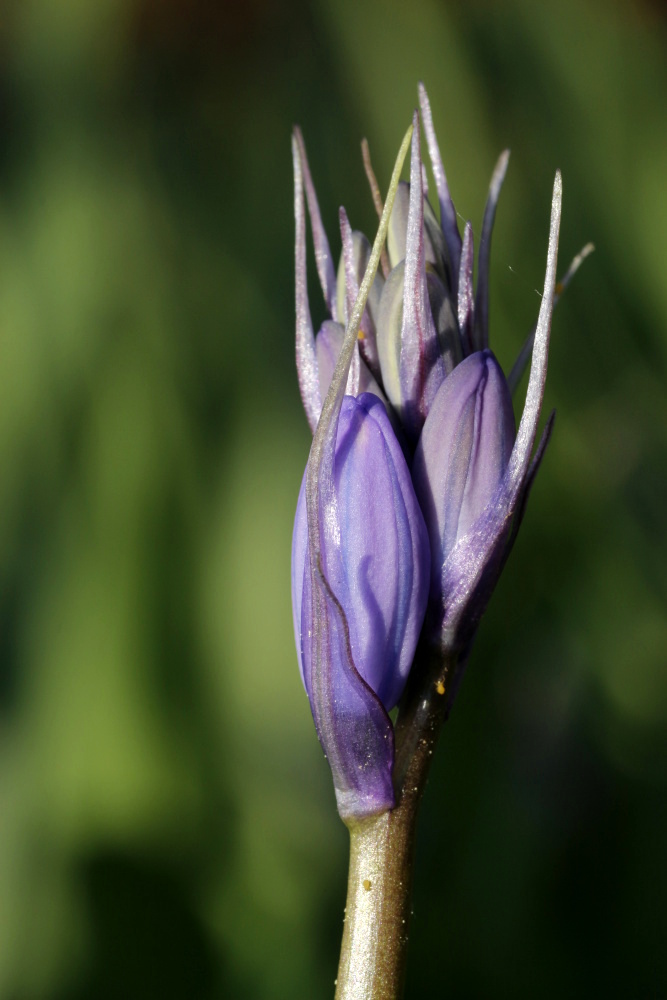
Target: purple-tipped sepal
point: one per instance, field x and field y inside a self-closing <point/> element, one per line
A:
<point x="359" y="607"/>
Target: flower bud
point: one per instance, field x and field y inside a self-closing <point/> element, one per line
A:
<point x="462" y="455"/>
<point x="377" y="559"/>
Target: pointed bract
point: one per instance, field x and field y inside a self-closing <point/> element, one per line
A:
<point x="351" y="269"/>
<point x="466" y="297"/>
<point x="306" y="363"/>
<point x="448" y="221"/>
<point x="323" y="258"/>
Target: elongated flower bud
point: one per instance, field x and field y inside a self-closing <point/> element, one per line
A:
<point x="462" y="453"/>
<point x="376" y="559"/>
<point x="360" y="567"/>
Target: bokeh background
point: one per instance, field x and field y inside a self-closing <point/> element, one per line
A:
<point x="167" y="822"/>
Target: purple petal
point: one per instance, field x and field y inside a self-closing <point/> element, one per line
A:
<point x="323" y="258"/>
<point x="306" y="363"/>
<point x="462" y="454"/>
<point x="481" y="336"/>
<point x="447" y="211"/>
<point x="435" y="252"/>
<point x="377" y="559"/>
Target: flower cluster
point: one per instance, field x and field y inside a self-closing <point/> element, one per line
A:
<point x="417" y="477"/>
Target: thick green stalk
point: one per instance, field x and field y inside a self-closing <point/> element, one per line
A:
<point x="377" y="915"/>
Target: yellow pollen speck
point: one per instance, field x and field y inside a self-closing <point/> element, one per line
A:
<point x="559" y="288"/>
<point x="440" y="687"/>
<point x="361" y="335"/>
<point x="367" y="884"/>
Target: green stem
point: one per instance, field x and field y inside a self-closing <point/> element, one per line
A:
<point x="377" y="916"/>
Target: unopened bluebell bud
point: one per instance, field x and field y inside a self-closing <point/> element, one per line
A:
<point x="375" y="559"/>
<point x="360" y="570"/>
<point x="462" y="454"/>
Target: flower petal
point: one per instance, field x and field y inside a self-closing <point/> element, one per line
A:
<point x="462" y="454"/>
<point x="377" y="560"/>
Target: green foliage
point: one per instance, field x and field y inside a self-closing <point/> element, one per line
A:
<point x="167" y="826"/>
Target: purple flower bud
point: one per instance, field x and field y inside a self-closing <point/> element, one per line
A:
<point x="472" y="475"/>
<point x="375" y="561"/>
<point x="462" y="454"/>
<point x="360" y="568"/>
<point x="376" y="558"/>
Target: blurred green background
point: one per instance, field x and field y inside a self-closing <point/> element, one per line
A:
<point x="167" y="821"/>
